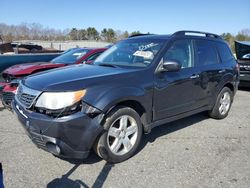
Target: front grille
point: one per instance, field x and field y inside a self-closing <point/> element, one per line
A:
<point x="244" y="67"/>
<point x="7" y="97"/>
<point x="26" y="96"/>
<point x="26" y="99"/>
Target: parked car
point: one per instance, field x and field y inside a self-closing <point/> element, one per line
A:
<point x="138" y="84"/>
<point x="13" y="74"/>
<point x="242" y="49"/>
<point x="18" y="53"/>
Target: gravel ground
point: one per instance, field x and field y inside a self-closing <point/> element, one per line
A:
<point x="192" y="152"/>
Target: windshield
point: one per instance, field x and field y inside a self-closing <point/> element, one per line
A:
<point x="136" y="53"/>
<point x="70" y="56"/>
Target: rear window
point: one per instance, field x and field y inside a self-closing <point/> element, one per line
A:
<point x="224" y="51"/>
<point x="206" y="53"/>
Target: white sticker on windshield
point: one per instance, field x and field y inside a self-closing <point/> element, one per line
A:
<point x="145" y="47"/>
<point x="144" y="54"/>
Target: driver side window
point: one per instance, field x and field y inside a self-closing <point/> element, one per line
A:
<point x="181" y="51"/>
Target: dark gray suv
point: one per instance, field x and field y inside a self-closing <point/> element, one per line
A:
<point x="137" y="84"/>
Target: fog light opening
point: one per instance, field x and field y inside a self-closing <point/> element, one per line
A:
<point x="53" y="148"/>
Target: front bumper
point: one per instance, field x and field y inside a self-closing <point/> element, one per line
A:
<point x="245" y="79"/>
<point x="7" y="93"/>
<point x="7" y="98"/>
<point x="245" y="76"/>
<point x="69" y="137"/>
<point x="244" y="73"/>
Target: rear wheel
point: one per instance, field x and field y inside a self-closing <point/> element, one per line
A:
<point x="223" y="104"/>
<point x="122" y="135"/>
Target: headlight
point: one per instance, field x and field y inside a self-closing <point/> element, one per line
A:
<point x="59" y="100"/>
<point x="15" y="82"/>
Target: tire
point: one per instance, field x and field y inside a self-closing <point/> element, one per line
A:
<point x="217" y="112"/>
<point x="121" y="136"/>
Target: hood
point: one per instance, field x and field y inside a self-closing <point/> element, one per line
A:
<point x="75" y="77"/>
<point x="242" y="49"/>
<point x="28" y="68"/>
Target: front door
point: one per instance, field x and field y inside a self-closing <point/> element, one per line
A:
<point x="177" y="92"/>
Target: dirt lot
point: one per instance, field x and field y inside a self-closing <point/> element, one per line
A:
<point x="192" y="152"/>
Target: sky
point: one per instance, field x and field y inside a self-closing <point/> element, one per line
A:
<point x="154" y="16"/>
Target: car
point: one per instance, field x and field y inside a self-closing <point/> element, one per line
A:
<point x="13" y="74"/>
<point x="138" y="84"/>
<point x="242" y="49"/>
<point x="71" y="56"/>
<point x="244" y="63"/>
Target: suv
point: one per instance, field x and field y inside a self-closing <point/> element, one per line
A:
<point x="242" y="49"/>
<point x="134" y="86"/>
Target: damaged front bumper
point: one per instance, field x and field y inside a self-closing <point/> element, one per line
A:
<point x="7" y="94"/>
<point x="69" y="137"/>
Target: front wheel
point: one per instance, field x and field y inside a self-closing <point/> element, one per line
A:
<point x="122" y="135"/>
<point x="223" y="104"/>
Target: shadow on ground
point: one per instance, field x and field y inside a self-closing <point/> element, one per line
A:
<point x="170" y="128"/>
<point x="244" y="88"/>
<point x="65" y="181"/>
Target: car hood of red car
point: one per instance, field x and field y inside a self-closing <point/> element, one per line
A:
<point x="28" y="68"/>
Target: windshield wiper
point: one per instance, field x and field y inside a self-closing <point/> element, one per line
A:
<point x="107" y="65"/>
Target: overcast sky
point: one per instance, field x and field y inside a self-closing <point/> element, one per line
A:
<point x="152" y="16"/>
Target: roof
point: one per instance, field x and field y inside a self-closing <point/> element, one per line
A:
<point x="151" y="36"/>
<point x="178" y="34"/>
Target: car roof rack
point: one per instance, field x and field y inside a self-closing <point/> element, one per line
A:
<point x="196" y="33"/>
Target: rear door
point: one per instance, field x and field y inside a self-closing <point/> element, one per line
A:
<point x="212" y="70"/>
<point x="178" y="92"/>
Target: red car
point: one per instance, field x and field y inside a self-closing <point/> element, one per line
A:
<point x="16" y="72"/>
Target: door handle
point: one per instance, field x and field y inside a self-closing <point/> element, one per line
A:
<point x="222" y="71"/>
<point x="195" y="76"/>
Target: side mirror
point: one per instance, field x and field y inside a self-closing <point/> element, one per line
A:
<point x="171" y="66"/>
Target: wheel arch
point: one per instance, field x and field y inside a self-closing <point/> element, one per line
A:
<point x="135" y="105"/>
<point x="230" y="86"/>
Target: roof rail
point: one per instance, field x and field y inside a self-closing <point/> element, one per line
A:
<point x="140" y="34"/>
<point x="196" y="33"/>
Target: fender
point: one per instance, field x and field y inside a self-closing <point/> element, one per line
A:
<point x="228" y="78"/>
<point x="111" y="97"/>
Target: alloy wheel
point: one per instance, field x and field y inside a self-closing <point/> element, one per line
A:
<point x="225" y="102"/>
<point x="122" y="135"/>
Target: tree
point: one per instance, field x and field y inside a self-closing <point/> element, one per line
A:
<point x="230" y="39"/>
<point x="108" y="35"/>
<point x="9" y="37"/>
<point x="135" y="33"/>
<point x="73" y="34"/>
<point x="240" y="37"/>
<point x="82" y="34"/>
<point x="125" y="34"/>
<point x="36" y="30"/>
<point x="104" y="34"/>
<point x="92" y="33"/>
